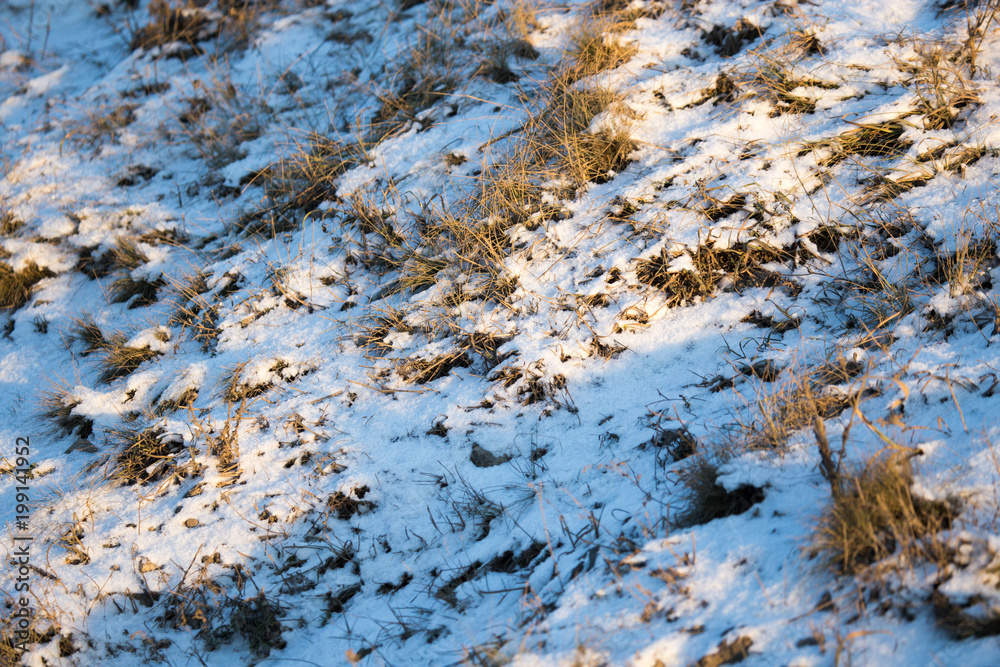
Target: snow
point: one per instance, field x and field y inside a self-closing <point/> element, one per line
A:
<point x="522" y="500"/>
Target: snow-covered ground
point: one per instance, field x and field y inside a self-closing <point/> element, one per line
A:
<point x="470" y="332"/>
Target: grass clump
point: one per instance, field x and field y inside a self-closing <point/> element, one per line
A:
<point x="85" y="330"/>
<point x="201" y="319"/>
<point x="421" y="371"/>
<point x="306" y="179"/>
<point x="57" y="407"/>
<point x="175" y="23"/>
<point x="880" y="293"/>
<point x="120" y="359"/>
<point x="705" y="500"/>
<point x="220" y="118"/>
<point x="129" y="255"/>
<point x="10" y="224"/>
<point x="15" y="286"/>
<point x="966" y="268"/>
<point x="799" y="401"/>
<point x="597" y="157"/>
<point x="236" y="386"/>
<point x="104" y="125"/>
<point x="941" y="80"/>
<point x="136" y="293"/>
<point x="868" y="140"/>
<point x="143" y="454"/>
<point x="400" y="106"/>
<point x="296" y="185"/>
<point x="373" y="333"/>
<point x="595" y="47"/>
<point x="874" y="515"/>
<point x="256" y="620"/>
<point x="741" y="263"/>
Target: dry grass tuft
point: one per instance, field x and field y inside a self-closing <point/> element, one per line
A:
<point x="704" y="499"/>
<point x="307" y="178"/>
<point x="374" y="331"/>
<point x="420" y="370"/>
<point x="941" y="83"/>
<point x="256" y="620"/>
<point x="127" y="254"/>
<point x="869" y="140"/>
<point x="873" y="515"/>
<point x="967" y="268"/>
<point x="399" y="107"/>
<point x="143" y="454"/>
<point x="120" y="359"/>
<point x="802" y="398"/>
<point x="741" y="264"/>
<point x="170" y="23"/>
<point x="85" y="330"/>
<point x="15" y="286"/>
<point x="10" y="224"/>
<point x="221" y="117"/>
<point x="194" y="313"/>
<point x="202" y="604"/>
<point x="57" y="407"/>
<point x="595" y="46"/>
<point x="136" y="293"/>
<point x="237" y="385"/>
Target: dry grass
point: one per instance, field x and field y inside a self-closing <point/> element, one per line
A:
<point x="220" y="117"/>
<point x="120" y="359"/>
<point x="296" y="185"/>
<point x="136" y="293"/>
<point x="596" y="46"/>
<point x="16" y="286"/>
<point x="102" y="125"/>
<point x="420" y="370"/>
<point x="170" y="23"/>
<point x="85" y="330"/>
<point x="966" y="269"/>
<point x="704" y="499"/>
<point x="882" y="279"/>
<point x="234" y="387"/>
<point x="804" y="396"/>
<point x="882" y="139"/>
<point x="774" y="77"/>
<point x="941" y="80"/>
<point x="237" y="385"/>
<point x="141" y="454"/>
<point x="185" y="24"/>
<point x="194" y="313"/>
<point x="399" y="107"/>
<point x="423" y="79"/>
<point x="306" y="178"/>
<point x="874" y="515"/>
<point x="10" y="224"/>
<point x="256" y="620"/>
<point x="201" y="603"/>
<point x="127" y="254"/>
<point x="741" y="263"/>
<point x="373" y="331"/>
<point x="57" y="407"/>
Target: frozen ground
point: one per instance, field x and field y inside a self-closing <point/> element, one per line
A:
<point x="404" y="332"/>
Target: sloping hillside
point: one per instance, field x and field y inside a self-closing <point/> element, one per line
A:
<point x="477" y="332"/>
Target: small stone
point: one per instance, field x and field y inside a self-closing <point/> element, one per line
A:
<point x="482" y="458"/>
<point x="191" y="523"/>
<point x="148" y="566"/>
